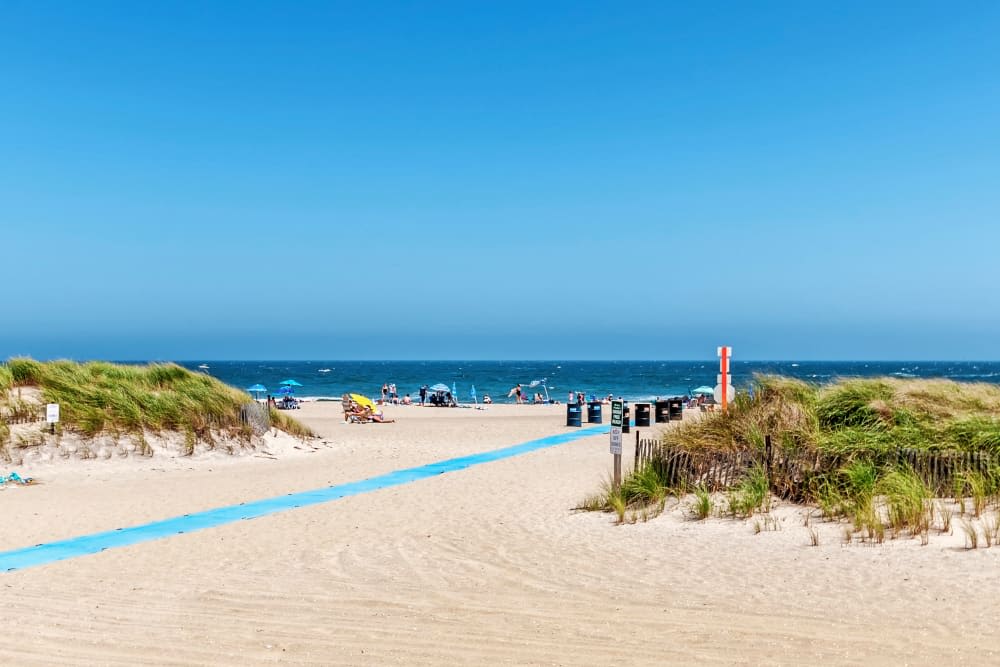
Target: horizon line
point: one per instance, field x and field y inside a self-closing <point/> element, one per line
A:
<point x="499" y="360"/>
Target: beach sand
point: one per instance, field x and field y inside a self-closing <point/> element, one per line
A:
<point x="489" y="565"/>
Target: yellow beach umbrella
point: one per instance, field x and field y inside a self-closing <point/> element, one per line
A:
<point x="363" y="401"/>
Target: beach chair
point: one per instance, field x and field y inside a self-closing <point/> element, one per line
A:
<point x="353" y="413"/>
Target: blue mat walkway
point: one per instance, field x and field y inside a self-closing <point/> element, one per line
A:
<point x="83" y="545"/>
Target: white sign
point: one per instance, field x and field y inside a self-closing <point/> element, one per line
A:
<point x="616" y="439"/>
<point x="730" y="393"/>
<point x="52" y="413"/>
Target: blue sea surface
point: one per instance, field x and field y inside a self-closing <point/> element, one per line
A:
<point x="632" y="380"/>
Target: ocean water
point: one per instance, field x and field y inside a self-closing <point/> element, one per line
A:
<point x="632" y="380"/>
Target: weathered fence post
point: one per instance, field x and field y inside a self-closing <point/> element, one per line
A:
<point x="768" y="457"/>
<point x="635" y="466"/>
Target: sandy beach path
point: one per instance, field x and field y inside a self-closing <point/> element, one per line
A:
<point x="489" y="565"/>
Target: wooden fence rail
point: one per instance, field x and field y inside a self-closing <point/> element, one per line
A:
<point x="254" y="415"/>
<point x="788" y="472"/>
<point x="22" y="417"/>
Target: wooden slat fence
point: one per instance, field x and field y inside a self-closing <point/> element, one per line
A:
<point x="789" y="472"/>
<point x="257" y="416"/>
<point x="716" y="470"/>
<point x="23" y="415"/>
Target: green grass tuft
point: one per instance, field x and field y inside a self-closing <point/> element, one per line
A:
<point x="702" y="506"/>
<point x="907" y="501"/>
<point x="751" y="494"/>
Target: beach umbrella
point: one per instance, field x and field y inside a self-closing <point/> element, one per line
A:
<point x="257" y="389"/>
<point x="535" y="383"/>
<point x="286" y="391"/>
<point x="707" y="391"/>
<point x="290" y="383"/>
<point x="363" y="401"/>
<point x="440" y="386"/>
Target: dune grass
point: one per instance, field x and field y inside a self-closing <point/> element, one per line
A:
<point x="290" y="425"/>
<point x="849" y="432"/>
<point x="852" y="417"/>
<point x="100" y="397"/>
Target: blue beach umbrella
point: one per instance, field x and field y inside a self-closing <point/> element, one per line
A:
<point x="257" y="389"/>
<point x="707" y="391"/>
<point x="290" y="383"/>
<point x="286" y="391"/>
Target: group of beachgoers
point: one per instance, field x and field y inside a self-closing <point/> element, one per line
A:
<point x="520" y="396"/>
<point x="284" y="403"/>
<point x="390" y="395"/>
<point x="427" y="397"/>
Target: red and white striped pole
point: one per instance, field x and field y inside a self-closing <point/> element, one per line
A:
<point x="724" y="390"/>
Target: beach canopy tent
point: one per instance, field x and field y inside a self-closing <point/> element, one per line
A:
<point x="290" y="383"/>
<point x="704" y="391"/>
<point x="257" y="389"/>
<point x="440" y="395"/>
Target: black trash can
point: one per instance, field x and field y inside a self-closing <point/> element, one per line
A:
<point x="574" y="415"/>
<point x="661" y="413"/>
<point x="676" y="408"/>
<point x="641" y="414"/>
<point x="625" y="418"/>
<point x="594" y="412"/>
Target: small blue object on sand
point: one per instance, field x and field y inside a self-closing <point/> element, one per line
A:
<point x="83" y="545"/>
<point x="14" y="478"/>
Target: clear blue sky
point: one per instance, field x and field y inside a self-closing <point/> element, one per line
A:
<point x="800" y="180"/>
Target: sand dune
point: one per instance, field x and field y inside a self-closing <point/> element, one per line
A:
<point x="488" y="565"/>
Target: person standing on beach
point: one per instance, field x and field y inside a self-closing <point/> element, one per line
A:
<point x="423" y="394"/>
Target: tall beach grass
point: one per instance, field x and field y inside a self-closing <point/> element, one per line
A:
<point x="849" y="434"/>
<point x="100" y="397"/>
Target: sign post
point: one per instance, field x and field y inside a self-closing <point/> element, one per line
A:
<point x="52" y="415"/>
<point x="617" y="411"/>
<point x="724" y="389"/>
